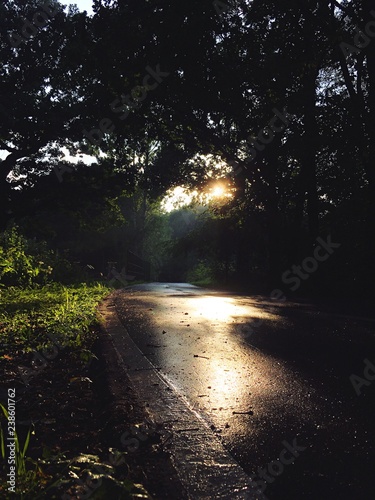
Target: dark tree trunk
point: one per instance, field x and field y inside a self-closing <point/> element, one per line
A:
<point x="368" y="6"/>
<point x="275" y="250"/>
<point x="6" y="166"/>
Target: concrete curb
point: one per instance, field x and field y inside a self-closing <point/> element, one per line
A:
<point x="206" y="470"/>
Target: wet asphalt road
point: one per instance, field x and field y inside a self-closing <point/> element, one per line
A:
<point x="268" y="376"/>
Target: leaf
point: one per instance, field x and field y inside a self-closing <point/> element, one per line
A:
<point x="2" y="442"/>
<point x="27" y="441"/>
<point x="4" y="411"/>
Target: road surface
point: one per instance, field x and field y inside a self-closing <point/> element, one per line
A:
<point x="284" y="386"/>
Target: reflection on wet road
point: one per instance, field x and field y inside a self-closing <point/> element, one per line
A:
<point x="260" y="373"/>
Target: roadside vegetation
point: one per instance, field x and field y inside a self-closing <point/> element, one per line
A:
<point x="30" y="318"/>
<point x="48" y="331"/>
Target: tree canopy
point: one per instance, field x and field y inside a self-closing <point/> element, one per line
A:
<point x="159" y="94"/>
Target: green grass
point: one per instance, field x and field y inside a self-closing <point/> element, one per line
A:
<point x="26" y="476"/>
<point x="27" y="316"/>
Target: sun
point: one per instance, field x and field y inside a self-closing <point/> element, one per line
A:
<point x="218" y="192"/>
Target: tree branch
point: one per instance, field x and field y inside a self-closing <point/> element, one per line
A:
<point x="348" y="11"/>
<point x="345" y="71"/>
<point x="7" y="148"/>
<point x="361" y="57"/>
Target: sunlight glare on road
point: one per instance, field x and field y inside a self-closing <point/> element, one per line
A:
<point x="217" y="308"/>
<point x="226" y="382"/>
<point x="225" y="309"/>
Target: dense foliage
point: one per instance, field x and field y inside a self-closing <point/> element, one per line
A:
<point x="283" y="94"/>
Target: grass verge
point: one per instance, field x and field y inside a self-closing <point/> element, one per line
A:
<point x="47" y="338"/>
<point x="30" y="317"/>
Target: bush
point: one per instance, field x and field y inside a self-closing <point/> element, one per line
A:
<point x="23" y="262"/>
<point x="201" y="274"/>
